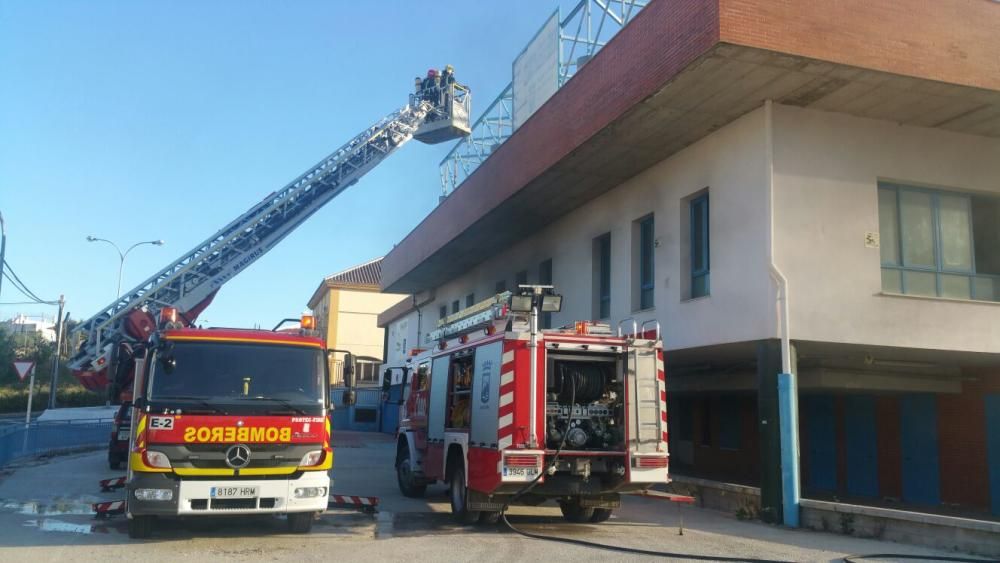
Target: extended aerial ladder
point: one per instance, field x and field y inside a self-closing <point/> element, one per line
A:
<point x="434" y="114"/>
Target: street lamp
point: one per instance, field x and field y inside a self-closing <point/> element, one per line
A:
<point x="122" y="255"/>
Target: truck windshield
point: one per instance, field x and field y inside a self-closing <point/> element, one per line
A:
<point x="270" y="376"/>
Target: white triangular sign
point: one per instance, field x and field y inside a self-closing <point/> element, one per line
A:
<point x="23" y="368"/>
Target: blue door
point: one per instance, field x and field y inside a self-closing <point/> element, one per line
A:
<point x="862" y="448"/>
<point x="993" y="449"/>
<point x="919" y="437"/>
<point x="822" y="442"/>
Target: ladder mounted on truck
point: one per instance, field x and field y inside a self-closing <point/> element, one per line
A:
<point x="434" y="114"/>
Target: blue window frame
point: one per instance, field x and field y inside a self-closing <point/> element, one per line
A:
<point x="455" y="306"/>
<point x="470" y="299"/>
<point x="520" y="278"/>
<point x="604" y="276"/>
<point x="545" y="278"/>
<point x="443" y="312"/>
<point x="501" y="286"/>
<point x="646" y="263"/>
<point x="927" y="244"/>
<point x="701" y="274"/>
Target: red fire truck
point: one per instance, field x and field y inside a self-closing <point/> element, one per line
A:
<point x="503" y="412"/>
<point x="228" y="421"/>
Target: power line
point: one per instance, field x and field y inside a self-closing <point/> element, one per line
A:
<point x="12" y="276"/>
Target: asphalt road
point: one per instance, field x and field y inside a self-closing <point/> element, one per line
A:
<point x="45" y="516"/>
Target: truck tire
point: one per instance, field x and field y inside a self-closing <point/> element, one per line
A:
<point x="408" y="483"/>
<point x="300" y="522"/>
<point x="573" y="512"/>
<point x="601" y="515"/>
<point x="140" y="527"/>
<point x="459" y="496"/>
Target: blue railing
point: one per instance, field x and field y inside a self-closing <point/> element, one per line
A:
<point x="16" y="441"/>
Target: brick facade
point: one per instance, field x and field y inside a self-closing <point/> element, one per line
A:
<point x="953" y="41"/>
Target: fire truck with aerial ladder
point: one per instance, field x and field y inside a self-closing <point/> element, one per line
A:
<point x="231" y="421"/>
<point x="502" y="412"/>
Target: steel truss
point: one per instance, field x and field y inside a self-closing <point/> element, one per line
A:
<point x="582" y="33"/>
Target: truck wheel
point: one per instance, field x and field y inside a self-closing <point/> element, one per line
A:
<point x="459" y="507"/>
<point x="300" y="522"/>
<point x="489" y="517"/>
<point x="601" y="515"/>
<point x="408" y="484"/>
<point x="140" y="527"/>
<point x="114" y="464"/>
<point x="573" y="512"/>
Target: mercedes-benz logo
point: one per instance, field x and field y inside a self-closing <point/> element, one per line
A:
<point x="238" y="456"/>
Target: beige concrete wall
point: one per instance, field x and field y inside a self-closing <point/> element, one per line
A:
<point x="731" y="164"/>
<point x="357" y="321"/>
<point x="826" y="168"/>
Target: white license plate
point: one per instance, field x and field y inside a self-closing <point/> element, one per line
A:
<point x="123" y="435"/>
<point x="520" y="473"/>
<point x="234" y="492"/>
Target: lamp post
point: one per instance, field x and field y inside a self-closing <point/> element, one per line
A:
<point x="122" y="255"/>
<point x="3" y="246"/>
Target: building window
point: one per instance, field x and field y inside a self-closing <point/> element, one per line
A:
<point x="706" y="423"/>
<point x="643" y="263"/>
<point x="455" y="305"/>
<point x="443" y="312"/>
<point x="501" y="286"/>
<point x="700" y="248"/>
<point x="730" y="429"/>
<point x="470" y="299"/>
<point x="520" y="278"/>
<point x="545" y="278"/>
<point x="602" y="276"/>
<point x="929" y="239"/>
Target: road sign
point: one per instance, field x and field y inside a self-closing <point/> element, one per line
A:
<point x="23" y="368"/>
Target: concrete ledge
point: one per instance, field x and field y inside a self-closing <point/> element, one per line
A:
<point x="729" y="497"/>
<point x="981" y="537"/>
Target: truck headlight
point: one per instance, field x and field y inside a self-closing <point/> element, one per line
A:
<point x="156" y="459"/>
<point x="154" y="494"/>
<point x="310" y="492"/>
<point x="311" y="458"/>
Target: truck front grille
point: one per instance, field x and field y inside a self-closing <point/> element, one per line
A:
<point x="233" y="503"/>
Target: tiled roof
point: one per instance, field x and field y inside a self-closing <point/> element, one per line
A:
<point x="367" y="274"/>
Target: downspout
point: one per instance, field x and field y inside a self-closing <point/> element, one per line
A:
<point x="419" y="319"/>
<point x="787" y="381"/>
<point x="776" y="274"/>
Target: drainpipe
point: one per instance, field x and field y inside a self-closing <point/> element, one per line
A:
<point x="776" y="274"/>
<point x="420" y="317"/>
<point x="788" y="410"/>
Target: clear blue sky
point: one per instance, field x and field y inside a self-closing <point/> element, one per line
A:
<point x="134" y="121"/>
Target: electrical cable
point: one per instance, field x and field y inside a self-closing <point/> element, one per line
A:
<point x="854" y="558"/>
<point x="555" y="458"/>
<point x="12" y="276"/>
<point x="17" y="281"/>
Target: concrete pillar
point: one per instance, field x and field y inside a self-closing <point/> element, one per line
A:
<point x="777" y="400"/>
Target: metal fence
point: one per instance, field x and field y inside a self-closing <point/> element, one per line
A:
<point x="16" y="441"/>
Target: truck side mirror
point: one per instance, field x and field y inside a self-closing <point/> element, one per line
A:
<point x="349" y="398"/>
<point x="386" y="380"/>
<point x="348" y="370"/>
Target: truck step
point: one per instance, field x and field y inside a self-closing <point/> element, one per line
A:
<point x="107" y="509"/>
<point x="368" y="505"/>
<point x="685" y="499"/>
<point x="108" y="485"/>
